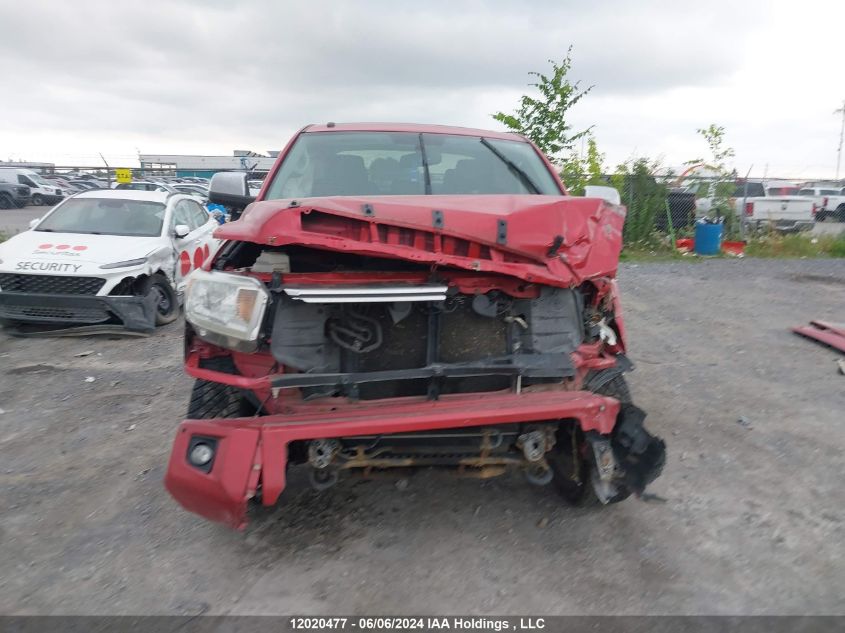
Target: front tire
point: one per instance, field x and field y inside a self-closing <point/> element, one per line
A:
<point x="215" y="400"/>
<point x="167" y="304"/>
<point x="38" y="200"/>
<point x="6" y="202"/>
<point x="840" y="213"/>
<point x="573" y="462"/>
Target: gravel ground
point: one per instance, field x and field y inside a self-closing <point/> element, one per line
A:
<point x="752" y="523"/>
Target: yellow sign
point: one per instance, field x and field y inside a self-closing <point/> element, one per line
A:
<point x="123" y="175"/>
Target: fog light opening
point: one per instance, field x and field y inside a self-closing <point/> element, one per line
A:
<point x="201" y="454"/>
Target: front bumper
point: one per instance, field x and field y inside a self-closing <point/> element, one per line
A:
<point x="253" y="451"/>
<point x="784" y="226"/>
<point x="133" y="313"/>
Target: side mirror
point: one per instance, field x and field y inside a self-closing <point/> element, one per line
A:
<point x="34" y="222"/>
<point x="181" y="230"/>
<point x="608" y="194"/>
<point x="231" y="189"/>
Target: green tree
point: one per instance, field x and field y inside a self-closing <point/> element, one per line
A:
<point x="577" y="172"/>
<point x="544" y="119"/>
<point x="722" y="188"/>
<point x="642" y="194"/>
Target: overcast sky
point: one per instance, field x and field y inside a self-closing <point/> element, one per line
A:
<point x="207" y="77"/>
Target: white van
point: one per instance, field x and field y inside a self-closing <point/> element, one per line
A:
<point x="43" y="191"/>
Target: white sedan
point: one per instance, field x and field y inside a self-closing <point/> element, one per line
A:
<point x="107" y="257"/>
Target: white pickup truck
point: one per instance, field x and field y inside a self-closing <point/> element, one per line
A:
<point x="758" y="210"/>
<point x="830" y="201"/>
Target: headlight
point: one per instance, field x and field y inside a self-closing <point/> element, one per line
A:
<point x="125" y="264"/>
<point x="226" y="309"/>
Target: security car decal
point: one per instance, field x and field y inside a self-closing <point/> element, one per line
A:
<point x="66" y="250"/>
<point x="57" y="267"/>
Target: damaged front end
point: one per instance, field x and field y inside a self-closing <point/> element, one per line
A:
<point x="479" y="334"/>
<point x="41" y="303"/>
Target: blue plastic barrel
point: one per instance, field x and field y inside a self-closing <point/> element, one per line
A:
<point x="708" y="238"/>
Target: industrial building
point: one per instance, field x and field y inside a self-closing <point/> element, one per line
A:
<point x="206" y="166"/>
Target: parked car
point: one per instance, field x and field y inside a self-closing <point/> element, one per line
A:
<point x="408" y="296"/>
<point x="758" y="210"/>
<point x="830" y="202"/>
<point x="94" y="182"/>
<point x="85" y="185"/>
<point x="14" y="196"/>
<point x="115" y="257"/>
<point x="144" y="185"/>
<point x="66" y="186"/>
<point x="193" y="190"/>
<point x="43" y="191"/>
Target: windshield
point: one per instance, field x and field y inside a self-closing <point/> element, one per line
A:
<point x="783" y="191"/>
<point x="750" y="189"/>
<point x="404" y="163"/>
<point x="106" y="216"/>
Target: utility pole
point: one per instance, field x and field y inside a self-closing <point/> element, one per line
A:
<point x="108" y="170"/>
<point x="841" y="135"/>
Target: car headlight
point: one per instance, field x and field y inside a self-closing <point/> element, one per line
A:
<point x="125" y="264"/>
<point x="226" y="309"/>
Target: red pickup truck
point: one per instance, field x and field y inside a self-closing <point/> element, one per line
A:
<point x="405" y="296"/>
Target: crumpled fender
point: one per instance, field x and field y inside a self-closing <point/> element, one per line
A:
<point x="640" y="454"/>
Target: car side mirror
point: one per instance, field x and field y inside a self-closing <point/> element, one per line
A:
<point x="181" y="230"/>
<point x="34" y="222"/>
<point x="608" y="194"/>
<point x="231" y="189"/>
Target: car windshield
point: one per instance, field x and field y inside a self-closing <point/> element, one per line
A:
<point x="403" y="163"/>
<point x="106" y="216"/>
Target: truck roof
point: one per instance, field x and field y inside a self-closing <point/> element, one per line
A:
<point x="416" y="128"/>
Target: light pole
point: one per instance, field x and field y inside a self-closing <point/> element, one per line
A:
<point x="841" y="135"/>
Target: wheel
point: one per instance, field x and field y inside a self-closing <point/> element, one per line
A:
<point x="215" y="400"/>
<point x="167" y="304"/>
<point x="840" y="213"/>
<point x="573" y="462"/>
<point x="6" y="202"/>
<point x="37" y="200"/>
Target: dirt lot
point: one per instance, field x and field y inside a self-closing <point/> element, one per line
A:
<point x="754" y="520"/>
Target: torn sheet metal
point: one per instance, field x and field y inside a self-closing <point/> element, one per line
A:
<point x="831" y="334"/>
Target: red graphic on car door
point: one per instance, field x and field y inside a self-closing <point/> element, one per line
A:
<point x="184" y="263"/>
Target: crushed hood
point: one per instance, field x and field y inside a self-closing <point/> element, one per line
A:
<point x="557" y="240"/>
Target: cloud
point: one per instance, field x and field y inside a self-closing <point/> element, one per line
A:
<point x="191" y="76"/>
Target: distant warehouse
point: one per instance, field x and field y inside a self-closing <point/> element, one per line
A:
<point x="205" y="166"/>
